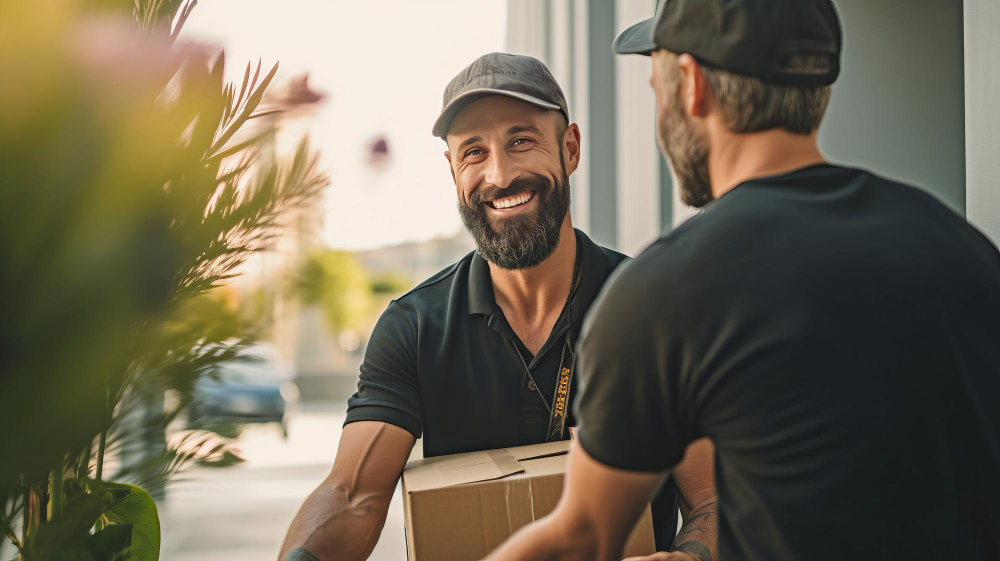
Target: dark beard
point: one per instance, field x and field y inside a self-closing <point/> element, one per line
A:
<point x="525" y="240"/>
<point x="687" y="153"/>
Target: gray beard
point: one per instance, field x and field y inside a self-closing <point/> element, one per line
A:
<point x="687" y="153"/>
<point x="522" y="241"/>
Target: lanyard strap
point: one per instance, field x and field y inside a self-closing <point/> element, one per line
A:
<point x="559" y="409"/>
<point x="564" y="375"/>
<point x="560" y="401"/>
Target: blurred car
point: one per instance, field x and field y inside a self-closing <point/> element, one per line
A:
<point x="259" y="389"/>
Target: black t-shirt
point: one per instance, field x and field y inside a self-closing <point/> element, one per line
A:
<point x="443" y="363"/>
<point x="837" y="335"/>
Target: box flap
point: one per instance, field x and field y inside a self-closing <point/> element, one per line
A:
<point x="547" y="465"/>
<point x="457" y="469"/>
<point x="542" y="450"/>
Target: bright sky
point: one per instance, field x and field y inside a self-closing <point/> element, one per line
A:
<point x="384" y="65"/>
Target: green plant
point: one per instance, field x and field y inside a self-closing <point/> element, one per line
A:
<point x="337" y="283"/>
<point x="133" y="181"/>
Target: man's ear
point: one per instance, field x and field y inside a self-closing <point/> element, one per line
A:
<point x="447" y="156"/>
<point x="571" y="147"/>
<point x="694" y="91"/>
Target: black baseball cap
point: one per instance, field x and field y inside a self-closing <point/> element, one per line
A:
<point x="796" y="42"/>
<point x="518" y="76"/>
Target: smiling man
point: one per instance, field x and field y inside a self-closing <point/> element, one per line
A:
<point x="481" y="355"/>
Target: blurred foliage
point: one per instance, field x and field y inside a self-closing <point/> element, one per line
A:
<point x="391" y="284"/>
<point x="257" y="308"/>
<point x="337" y="283"/>
<point x="133" y="182"/>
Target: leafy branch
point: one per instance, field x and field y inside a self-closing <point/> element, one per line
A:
<point x="135" y="194"/>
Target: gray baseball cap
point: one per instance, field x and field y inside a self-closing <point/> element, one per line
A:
<point x="796" y="42"/>
<point x="518" y="76"/>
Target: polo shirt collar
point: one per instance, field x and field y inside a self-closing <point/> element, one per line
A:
<point x="481" y="297"/>
<point x="594" y="269"/>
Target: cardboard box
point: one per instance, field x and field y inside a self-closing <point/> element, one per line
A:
<point x="460" y="507"/>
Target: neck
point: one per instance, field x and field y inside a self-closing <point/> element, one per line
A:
<point x="735" y="158"/>
<point x="536" y="293"/>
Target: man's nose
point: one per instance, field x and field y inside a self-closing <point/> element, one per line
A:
<point x="500" y="170"/>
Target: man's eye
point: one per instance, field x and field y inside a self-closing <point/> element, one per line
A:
<point x="474" y="152"/>
<point x="520" y="141"/>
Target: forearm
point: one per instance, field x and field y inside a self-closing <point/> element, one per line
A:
<point x="547" y="540"/>
<point x="598" y="509"/>
<point x="333" y="525"/>
<point x="699" y="534"/>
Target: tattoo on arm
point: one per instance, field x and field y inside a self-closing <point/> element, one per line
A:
<point x="698" y="528"/>
<point x="697" y="549"/>
<point x="300" y="554"/>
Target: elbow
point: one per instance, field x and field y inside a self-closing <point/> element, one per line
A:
<point x="584" y="540"/>
<point x="351" y="525"/>
<point x="358" y="504"/>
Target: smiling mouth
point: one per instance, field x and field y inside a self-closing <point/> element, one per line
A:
<point x="512" y="201"/>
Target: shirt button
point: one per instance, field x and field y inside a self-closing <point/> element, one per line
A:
<point x="531" y="386"/>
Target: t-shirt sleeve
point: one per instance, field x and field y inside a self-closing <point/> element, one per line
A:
<point x="387" y="386"/>
<point x="629" y="412"/>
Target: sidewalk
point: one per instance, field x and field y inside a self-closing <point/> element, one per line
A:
<point x="241" y="513"/>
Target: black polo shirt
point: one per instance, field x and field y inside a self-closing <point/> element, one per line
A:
<point x="443" y="363"/>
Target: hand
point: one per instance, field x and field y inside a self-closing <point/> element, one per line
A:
<point x="665" y="556"/>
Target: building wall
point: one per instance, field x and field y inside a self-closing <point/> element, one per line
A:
<point x="638" y="170"/>
<point x="898" y="106"/>
<point x="982" y="132"/>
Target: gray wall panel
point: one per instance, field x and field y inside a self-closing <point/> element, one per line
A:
<point x="898" y="107"/>
<point x="602" y="128"/>
<point x="982" y="109"/>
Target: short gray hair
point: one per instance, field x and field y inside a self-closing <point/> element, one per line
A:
<point x="751" y="104"/>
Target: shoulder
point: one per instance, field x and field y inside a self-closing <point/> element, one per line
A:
<point x="612" y="257"/>
<point x="429" y="304"/>
<point x="639" y="280"/>
<point x="667" y="257"/>
<point x="422" y="306"/>
<point x="634" y="288"/>
<point x="438" y="287"/>
<point x="605" y="259"/>
<point x="926" y="209"/>
<point x="658" y="281"/>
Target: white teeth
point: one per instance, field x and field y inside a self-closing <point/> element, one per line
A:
<point x="512" y="201"/>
